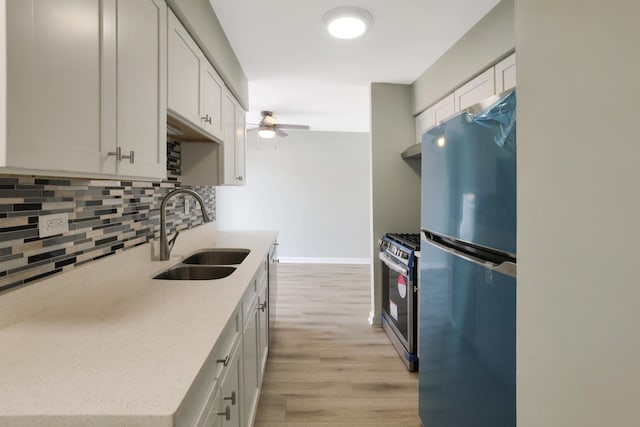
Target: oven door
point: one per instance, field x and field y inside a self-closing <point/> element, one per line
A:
<point x="398" y="303"/>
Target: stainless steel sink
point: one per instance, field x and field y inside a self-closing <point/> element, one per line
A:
<point x="192" y="272"/>
<point x="218" y="256"/>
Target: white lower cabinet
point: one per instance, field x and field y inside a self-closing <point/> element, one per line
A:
<point x="251" y="380"/>
<point x="225" y="393"/>
<point x="225" y="409"/>
<point x="263" y="327"/>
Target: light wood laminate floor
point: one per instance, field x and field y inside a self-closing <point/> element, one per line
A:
<point x="327" y="366"/>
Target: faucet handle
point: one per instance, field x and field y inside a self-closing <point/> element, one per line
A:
<point x="172" y="241"/>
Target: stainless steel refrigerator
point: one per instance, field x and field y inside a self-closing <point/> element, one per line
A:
<point x="468" y="268"/>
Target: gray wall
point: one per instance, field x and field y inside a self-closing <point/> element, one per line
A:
<point x="201" y="21"/>
<point x="578" y="325"/>
<point x="395" y="182"/>
<point x="490" y="40"/>
<point x="313" y="187"/>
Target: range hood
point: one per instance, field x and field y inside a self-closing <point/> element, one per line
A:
<point x="413" y="152"/>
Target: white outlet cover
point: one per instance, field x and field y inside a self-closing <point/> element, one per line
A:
<point x="50" y="225"/>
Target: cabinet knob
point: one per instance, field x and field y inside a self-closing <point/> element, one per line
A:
<point x="232" y="398"/>
<point x="226" y="413"/>
<point x="224" y="361"/>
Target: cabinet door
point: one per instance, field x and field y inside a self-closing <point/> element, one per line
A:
<point x="212" y="97"/>
<point x="263" y="328"/>
<point x="228" y="146"/>
<point x="54" y="90"/>
<point x="251" y="380"/>
<point x="214" y="418"/>
<point x="185" y="64"/>
<point x="241" y="133"/>
<point x="475" y="90"/>
<point x="443" y="109"/>
<point x="141" y="87"/>
<point x="424" y="121"/>
<point x="230" y="392"/>
<point x="506" y="74"/>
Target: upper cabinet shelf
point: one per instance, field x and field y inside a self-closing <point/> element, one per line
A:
<point x="85" y="103"/>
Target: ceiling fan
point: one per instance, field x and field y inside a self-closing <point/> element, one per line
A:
<point x="268" y="128"/>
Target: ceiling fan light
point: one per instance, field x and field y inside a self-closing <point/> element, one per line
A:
<point x="347" y="22"/>
<point x="266" y="133"/>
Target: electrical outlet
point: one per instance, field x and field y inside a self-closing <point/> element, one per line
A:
<point x="50" y="225"/>
<point x="186" y="206"/>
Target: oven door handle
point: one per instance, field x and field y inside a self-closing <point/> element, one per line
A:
<point x="393" y="265"/>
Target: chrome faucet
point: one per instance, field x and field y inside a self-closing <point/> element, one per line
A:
<point x="167" y="245"/>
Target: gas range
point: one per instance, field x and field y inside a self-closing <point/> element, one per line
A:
<point x="399" y="266"/>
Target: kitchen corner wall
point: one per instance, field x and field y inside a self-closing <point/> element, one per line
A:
<point x="105" y="217"/>
<point x="395" y="192"/>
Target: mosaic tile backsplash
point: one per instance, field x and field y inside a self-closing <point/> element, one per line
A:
<point x="105" y="217"/>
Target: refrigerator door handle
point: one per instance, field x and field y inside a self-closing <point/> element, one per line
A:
<point x="393" y="265"/>
<point x="505" y="267"/>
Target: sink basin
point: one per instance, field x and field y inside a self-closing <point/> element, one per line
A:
<point x="217" y="257"/>
<point x="191" y="272"/>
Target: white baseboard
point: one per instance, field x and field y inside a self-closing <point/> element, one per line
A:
<point x="320" y="260"/>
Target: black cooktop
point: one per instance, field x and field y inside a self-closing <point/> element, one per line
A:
<point x="409" y="240"/>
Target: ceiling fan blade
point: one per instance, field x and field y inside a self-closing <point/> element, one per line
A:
<point x="280" y="132"/>
<point x="287" y="126"/>
<point x="252" y="128"/>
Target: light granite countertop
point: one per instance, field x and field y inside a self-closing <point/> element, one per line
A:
<point x="107" y="345"/>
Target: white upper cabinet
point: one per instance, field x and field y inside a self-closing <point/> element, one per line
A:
<point x="240" y="140"/>
<point x="54" y="90"/>
<point x="493" y="81"/>
<point x="443" y="109"/>
<point x="185" y="63"/>
<point x="233" y="117"/>
<point x="475" y="90"/>
<point x="195" y="88"/>
<point x="506" y="74"/>
<point x="424" y="121"/>
<point x="212" y="90"/>
<point x="86" y="80"/>
<point x="434" y="114"/>
<point x="142" y="87"/>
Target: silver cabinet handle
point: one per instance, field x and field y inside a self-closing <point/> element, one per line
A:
<point x="130" y="156"/>
<point x="239" y="178"/>
<point x="226" y="413"/>
<point x="224" y="361"/>
<point x="206" y="118"/>
<point x="120" y="156"/>
<point x="262" y="307"/>
<point x="232" y="398"/>
<point x="117" y="153"/>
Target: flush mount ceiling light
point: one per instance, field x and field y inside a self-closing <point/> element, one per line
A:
<point x="347" y="22"/>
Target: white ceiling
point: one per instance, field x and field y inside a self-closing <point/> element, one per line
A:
<point x="305" y="76"/>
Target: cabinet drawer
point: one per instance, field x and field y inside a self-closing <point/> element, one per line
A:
<point x="204" y="388"/>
